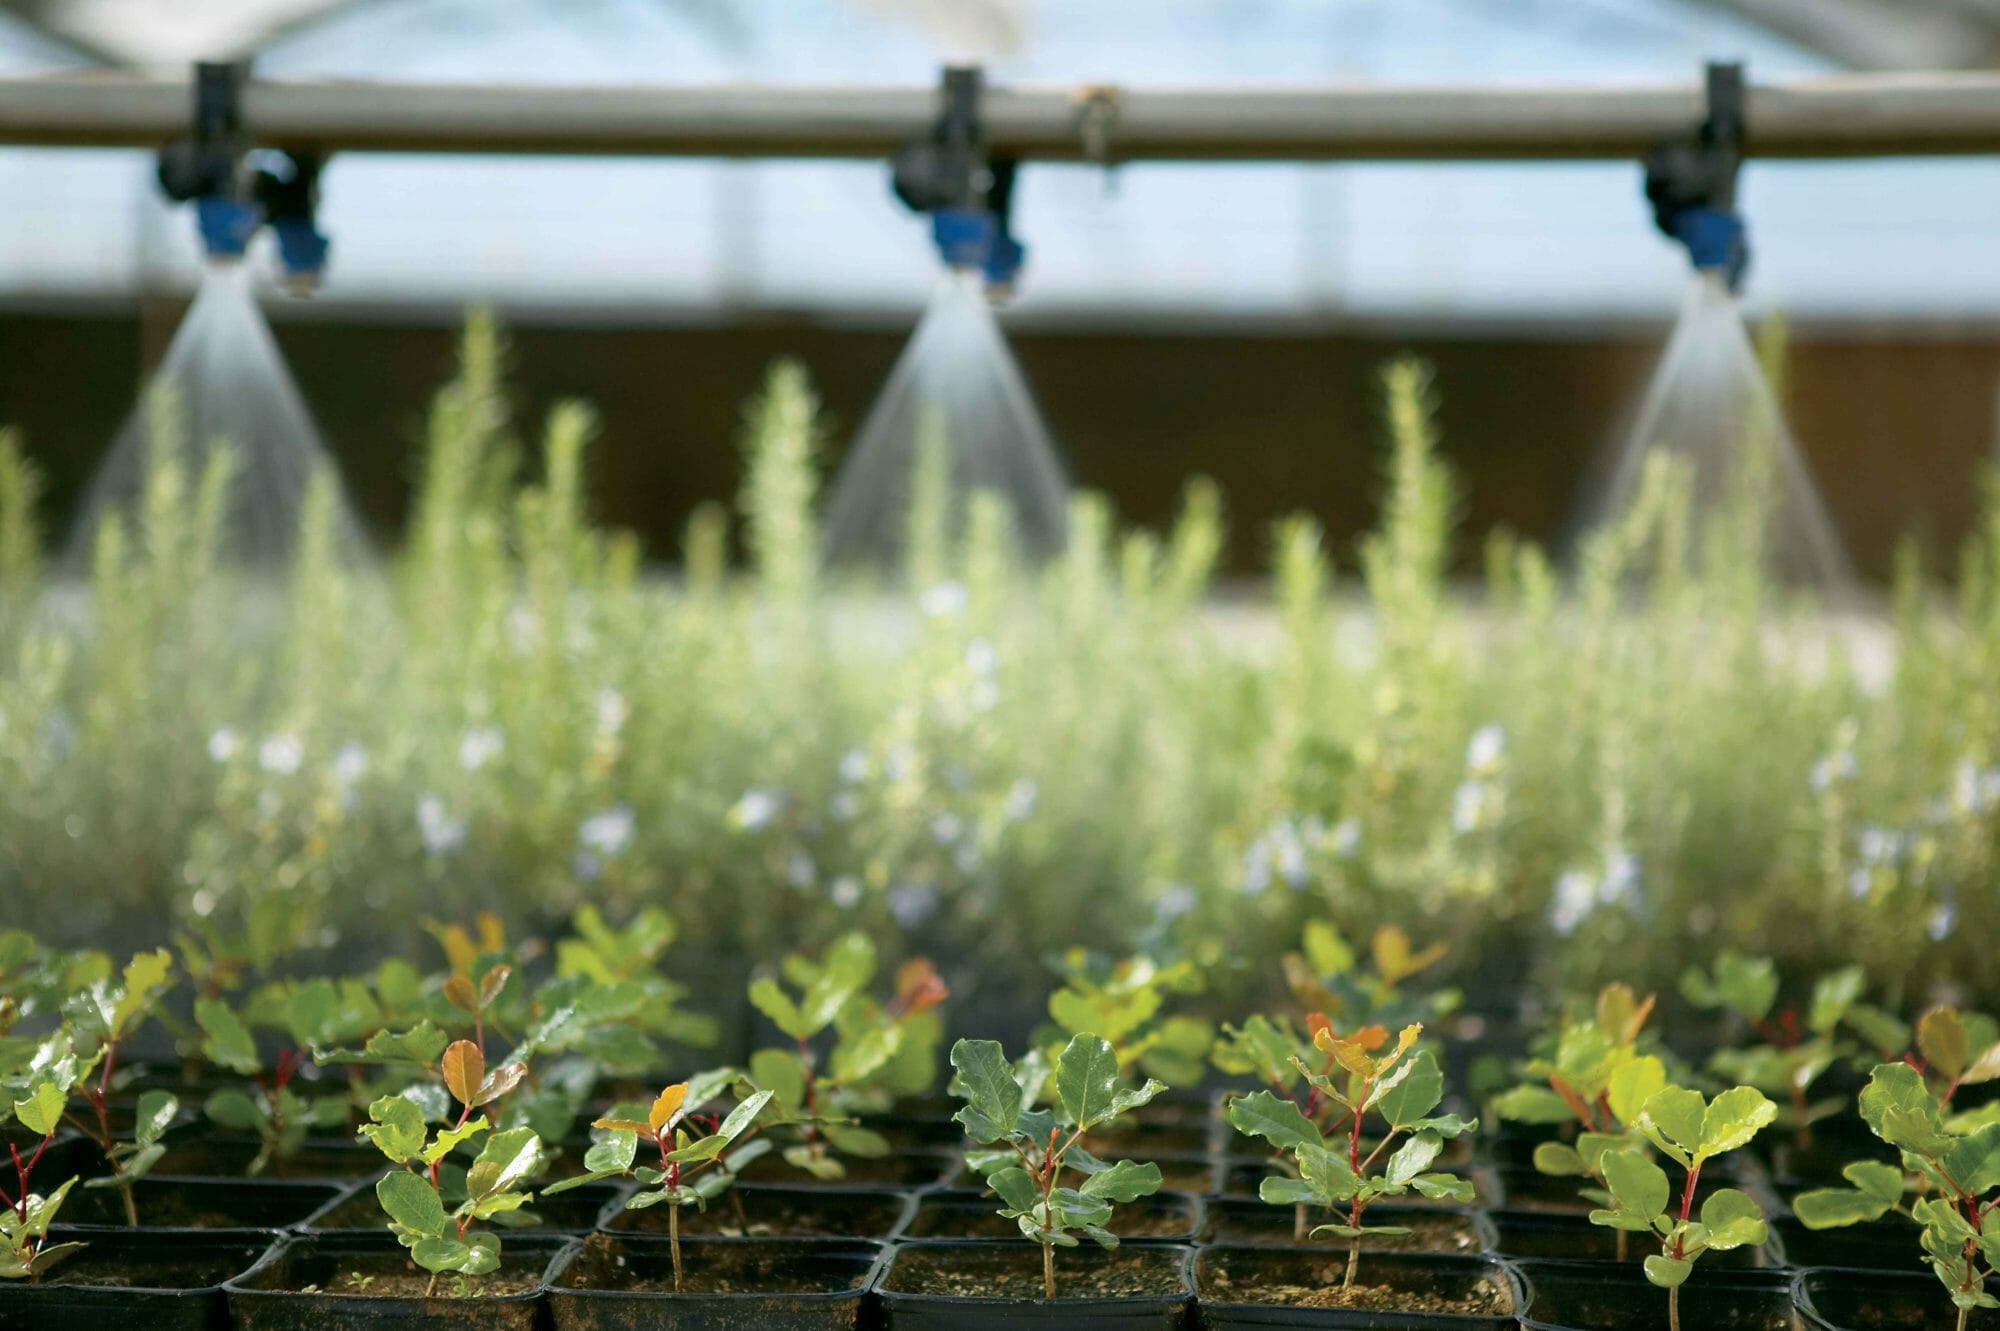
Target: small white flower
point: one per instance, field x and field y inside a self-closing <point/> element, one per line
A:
<point x="1621" y="878"/>
<point x="611" y="710"/>
<point x="1347" y="837"/>
<point x="1176" y="901"/>
<point x="756" y="809"/>
<point x="982" y="658"/>
<point x="800" y="871"/>
<point x="1021" y="798"/>
<point x="281" y="754"/>
<point x="945" y="599"/>
<point x="350" y="763"/>
<point x="480" y="747"/>
<point x="1944" y="918"/>
<point x="607" y="833"/>
<point x="854" y="766"/>
<point x="1468" y="807"/>
<point x="203" y="902"/>
<point x="912" y="903"/>
<point x="224" y="744"/>
<point x="1257" y="868"/>
<point x="1859" y="883"/>
<point x="1575" y="898"/>
<point x="442" y="833"/>
<point x="1487" y="747"/>
<point x="1290" y="854"/>
<point x="845" y="891"/>
<point x="946" y="828"/>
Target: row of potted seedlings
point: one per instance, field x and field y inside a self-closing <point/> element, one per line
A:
<point x="465" y="1147"/>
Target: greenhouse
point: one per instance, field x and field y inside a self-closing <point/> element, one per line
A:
<point x="957" y="663"/>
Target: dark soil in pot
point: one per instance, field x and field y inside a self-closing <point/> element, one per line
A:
<point x="1185" y="1171"/>
<point x="753" y="1210"/>
<point x="624" y="1284"/>
<point x="1303" y="1287"/>
<point x="1883" y="1301"/>
<point x="969" y="1285"/>
<point x="230" y="1157"/>
<point x="1889" y="1244"/>
<point x="202" y="1204"/>
<point x="367" y="1282"/>
<point x="1432" y="1229"/>
<point x="137" y="1280"/>
<point x="572" y="1212"/>
<point x="1169" y="1217"/>
<point x="1602" y="1296"/>
<point x="1549" y="1235"/>
<point x="907" y="1169"/>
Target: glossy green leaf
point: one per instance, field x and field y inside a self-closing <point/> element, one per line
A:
<point x="1124" y="1181"/>
<point x="994" y="1098"/>
<point x="1733" y="1220"/>
<point x="225" y="1039"/>
<point x="1276" y="1119"/>
<point x="1086" y="1078"/>
<point x="410" y="1201"/>
<point x="396" y="1126"/>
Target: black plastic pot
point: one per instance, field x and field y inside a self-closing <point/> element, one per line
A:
<point x="1605" y="1296"/>
<point x="753" y="1210"/>
<point x="910" y="1303"/>
<point x="1545" y="1235"/>
<point x="225" y="1156"/>
<point x="904" y="1169"/>
<point x="923" y="1132"/>
<point x="1165" y="1217"/>
<point x="134" y="1280"/>
<point x="1889" y="1244"/>
<point x="1835" y="1300"/>
<point x="200" y="1204"/>
<point x="1228" y="1282"/>
<point x="574" y="1212"/>
<point x="1459" y="1230"/>
<point x="304" y="1284"/>
<point x="622" y="1284"/>
<point x="1145" y="1141"/>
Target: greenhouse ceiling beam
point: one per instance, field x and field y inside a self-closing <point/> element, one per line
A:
<point x="1850" y="116"/>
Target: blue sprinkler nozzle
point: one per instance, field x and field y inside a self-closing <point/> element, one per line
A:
<point x="1003" y="263"/>
<point x="964" y="236"/>
<point x="1716" y="241"/>
<point x="302" y="251"/>
<point x="226" y="225"/>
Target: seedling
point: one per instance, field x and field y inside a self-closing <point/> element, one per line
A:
<point x="441" y="1239"/>
<point x="1039" y="1146"/>
<point x="1122" y="1003"/>
<point x="1796" y="1049"/>
<point x="98" y="1021"/>
<point x="1327" y="975"/>
<point x="25" y="1253"/>
<point x="1951" y="1165"/>
<point x="1954" y="1050"/>
<point x="1690" y="1131"/>
<point x="1400" y="1088"/>
<point x="880" y="1050"/>
<point x="1596" y="1078"/>
<point x="272" y="1107"/>
<point x="693" y="1168"/>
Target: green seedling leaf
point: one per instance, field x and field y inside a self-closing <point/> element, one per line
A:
<point x="412" y="1204"/>
<point x="1417" y="1088"/>
<point x="994" y="1098"/>
<point x="153" y="1116"/>
<point x="506" y="1159"/>
<point x="1444" y="1188"/>
<point x="41" y="1112"/>
<point x="1900" y="1109"/>
<point x="225" y="1039"/>
<point x="1277" y="1190"/>
<point x="1086" y="1077"/>
<point x="448" y="1139"/>
<point x="396" y="1126"/>
<point x="1877" y="1190"/>
<point x="1640" y="1188"/>
<point x="1014" y="1187"/>
<point x="1667" y="1272"/>
<point x="1732" y="1220"/>
<point x="1732" y="1119"/>
<point x="1631" y="1085"/>
<point x="1275" y="1119"/>
<point x="1532" y="1104"/>
<point x="238" y="1111"/>
<point x="1412" y="1158"/>
<point x="420" y="1045"/>
<point x="1560" y="1160"/>
<point x="1942" y="1040"/>
<point x="1124" y="1181"/>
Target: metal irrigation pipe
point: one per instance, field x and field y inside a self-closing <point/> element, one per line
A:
<point x="1851" y="116"/>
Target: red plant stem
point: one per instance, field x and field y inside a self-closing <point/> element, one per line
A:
<point x="22" y="1172"/>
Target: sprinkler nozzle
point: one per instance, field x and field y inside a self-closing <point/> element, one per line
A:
<point x="1691" y="182"/>
<point x="287" y="186"/>
<point x="947" y="174"/>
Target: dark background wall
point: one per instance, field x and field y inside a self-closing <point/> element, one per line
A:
<point x="1896" y="426"/>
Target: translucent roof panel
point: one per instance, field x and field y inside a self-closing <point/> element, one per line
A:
<point x="1270" y="243"/>
<point x="23" y="50"/>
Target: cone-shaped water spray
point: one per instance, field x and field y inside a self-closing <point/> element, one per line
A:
<point x="956" y="382"/>
<point x="224" y="384"/>
<point x="1710" y="409"/>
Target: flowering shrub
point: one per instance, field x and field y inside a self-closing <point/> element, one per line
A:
<point x="970" y="755"/>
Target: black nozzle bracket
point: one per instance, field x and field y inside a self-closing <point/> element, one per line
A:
<point x="1699" y="170"/>
<point x="947" y="168"/>
<point x="208" y="159"/>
